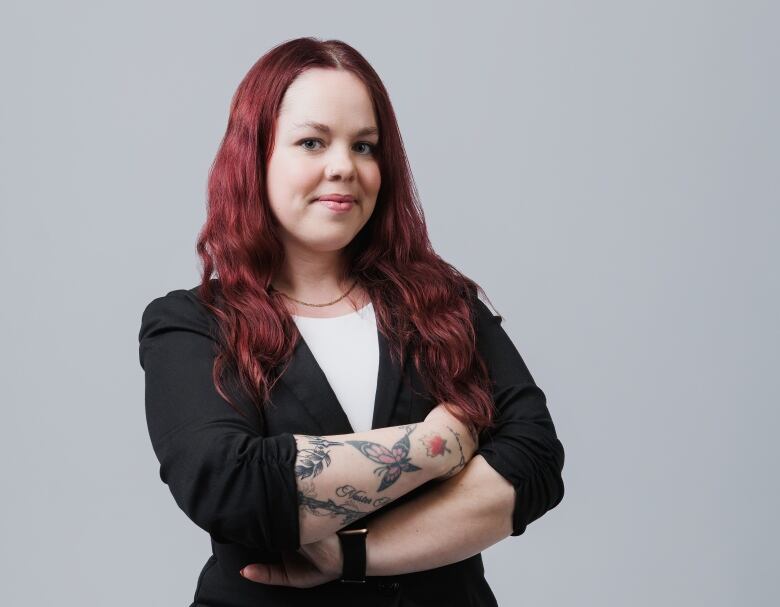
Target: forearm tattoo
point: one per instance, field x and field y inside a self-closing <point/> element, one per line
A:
<point x="314" y="460"/>
<point x="394" y="460"/>
<point x="307" y="500"/>
<point x="359" y="495"/>
<point x="461" y="462"/>
<point x="435" y="444"/>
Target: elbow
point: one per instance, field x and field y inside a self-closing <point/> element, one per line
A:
<point x="238" y="493"/>
<point x="541" y="492"/>
<point x="555" y="488"/>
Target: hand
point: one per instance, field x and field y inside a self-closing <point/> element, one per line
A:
<point x="465" y="438"/>
<point x="311" y="565"/>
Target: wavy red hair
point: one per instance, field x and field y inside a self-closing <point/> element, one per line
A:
<point x="422" y="303"/>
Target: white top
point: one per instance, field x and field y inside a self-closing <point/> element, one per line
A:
<point x="347" y="350"/>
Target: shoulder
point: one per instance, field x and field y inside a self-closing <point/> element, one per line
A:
<point x="480" y="311"/>
<point x="179" y="309"/>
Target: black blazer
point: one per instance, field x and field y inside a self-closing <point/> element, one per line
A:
<point x="233" y="475"/>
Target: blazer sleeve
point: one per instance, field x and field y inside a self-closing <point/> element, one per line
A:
<point x="228" y="479"/>
<point x="523" y="446"/>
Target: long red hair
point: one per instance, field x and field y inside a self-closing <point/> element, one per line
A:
<point x="421" y="301"/>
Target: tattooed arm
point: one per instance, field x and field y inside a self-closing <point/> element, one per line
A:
<point x="343" y="477"/>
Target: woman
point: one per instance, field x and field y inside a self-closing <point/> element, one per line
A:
<point x="328" y="298"/>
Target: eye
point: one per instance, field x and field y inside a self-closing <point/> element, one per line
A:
<point x="371" y="147"/>
<point x="306" y="140"/>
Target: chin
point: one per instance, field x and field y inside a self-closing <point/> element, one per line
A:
<point x="327" y="245"/>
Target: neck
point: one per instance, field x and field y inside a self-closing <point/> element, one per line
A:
<point x="315" y="277"/>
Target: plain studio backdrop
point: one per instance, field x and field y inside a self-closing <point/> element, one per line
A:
<point x="608" y="171"/>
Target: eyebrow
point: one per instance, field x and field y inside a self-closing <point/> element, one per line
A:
<point x="323" y="128"/>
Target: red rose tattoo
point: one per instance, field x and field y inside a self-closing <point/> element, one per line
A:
<point x="435" y="444"/>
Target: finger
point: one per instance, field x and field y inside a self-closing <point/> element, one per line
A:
<point x="265" y="574"/>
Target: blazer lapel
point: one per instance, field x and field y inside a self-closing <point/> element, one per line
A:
<point x="387" y="385"/>
<point x="308" y="383"/>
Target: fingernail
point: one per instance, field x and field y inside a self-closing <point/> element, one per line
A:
<point x="242" y="572"/>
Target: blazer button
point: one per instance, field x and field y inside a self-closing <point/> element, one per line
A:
<point x="388" y="588"/>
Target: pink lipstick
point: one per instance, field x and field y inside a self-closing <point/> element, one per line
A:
<point x="338" y="203"/>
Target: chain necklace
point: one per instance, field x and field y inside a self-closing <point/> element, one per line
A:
<point x="330" y="303"/>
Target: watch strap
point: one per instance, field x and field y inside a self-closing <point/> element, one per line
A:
<point x="353" y="549"/>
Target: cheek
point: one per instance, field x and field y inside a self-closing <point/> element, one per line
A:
<point x="371" y="177"/>
<point x="290" y="181"/>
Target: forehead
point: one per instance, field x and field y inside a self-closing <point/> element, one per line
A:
<point x="335" y="98"/>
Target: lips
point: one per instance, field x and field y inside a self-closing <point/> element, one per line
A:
<point x="337" y="198"/>
<point x="335" y="205"/>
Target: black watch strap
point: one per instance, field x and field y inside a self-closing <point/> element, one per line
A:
<point x="353" y="547"/>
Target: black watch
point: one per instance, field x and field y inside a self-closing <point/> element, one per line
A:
<point x="353" y="547"/>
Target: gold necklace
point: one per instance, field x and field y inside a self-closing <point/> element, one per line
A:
<point x="317" y="305"/>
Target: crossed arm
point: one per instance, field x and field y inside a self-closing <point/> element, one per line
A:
<point x="440" y="526"/>
<point x="452" y="521"/>
<point x="468" y="511"/>
<point x="342" y="478"/>
<point x="220" y="470"/>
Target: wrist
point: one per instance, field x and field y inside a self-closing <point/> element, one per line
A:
<point x="335" y="561"/>
<point x="374" y="565"/>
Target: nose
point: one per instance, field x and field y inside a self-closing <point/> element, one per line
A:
<point x="339" y="164"/>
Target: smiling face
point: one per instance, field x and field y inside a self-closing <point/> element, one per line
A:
<point x="308" y="162"/>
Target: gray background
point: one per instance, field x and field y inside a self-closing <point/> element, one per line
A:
<point x="608" y="171"/>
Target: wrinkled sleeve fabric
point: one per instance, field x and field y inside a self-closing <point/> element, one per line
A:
<point x="229" y="480"/>
<point x="523" y="446"/>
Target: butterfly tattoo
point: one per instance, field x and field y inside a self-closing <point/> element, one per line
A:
<point x="394" y="461"/>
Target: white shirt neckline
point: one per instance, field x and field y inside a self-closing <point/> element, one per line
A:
<point x="348" y="315"/>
